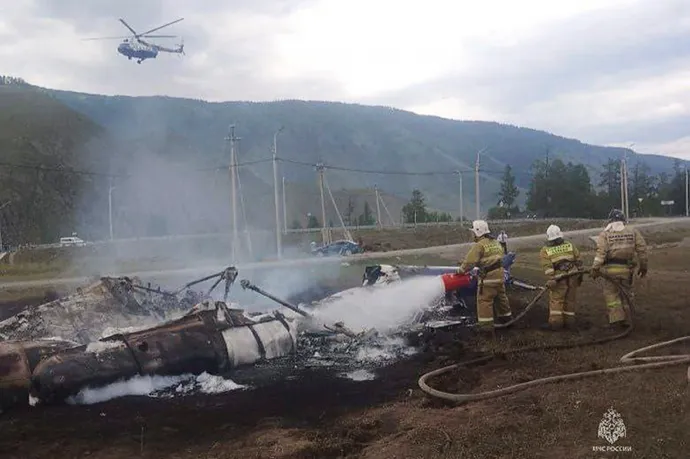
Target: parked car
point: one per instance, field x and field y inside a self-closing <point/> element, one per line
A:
<point x="343" y="247"/>
<point x="71" y="242"/>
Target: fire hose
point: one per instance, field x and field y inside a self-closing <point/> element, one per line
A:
<point x="634" y="363"/>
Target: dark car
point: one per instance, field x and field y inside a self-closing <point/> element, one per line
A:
<point x="343" y="247"/>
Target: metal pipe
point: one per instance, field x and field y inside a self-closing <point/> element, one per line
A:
<point x="248" y="285"/>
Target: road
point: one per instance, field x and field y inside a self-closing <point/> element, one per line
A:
<point x="198" y="271"/>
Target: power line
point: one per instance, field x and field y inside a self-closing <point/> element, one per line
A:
<point x="382" y="172"/>
<point x="63" y="170"/>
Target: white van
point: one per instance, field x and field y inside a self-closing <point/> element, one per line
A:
<point x="71" y="242"/>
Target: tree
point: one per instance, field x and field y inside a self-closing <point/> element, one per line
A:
<point x="296" y="224"/>
<point x="561" y="190"/>
<point x="415" y="209"/>
<point x="366" y="218"/>
<point x="313" y="222"/>
<point x="610" y="181"/>
<point x="509" y="191"/>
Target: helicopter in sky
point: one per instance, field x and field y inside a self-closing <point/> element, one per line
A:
<point x="139" y="49"/>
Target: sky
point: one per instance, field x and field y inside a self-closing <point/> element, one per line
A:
<point x="608" y="72"/>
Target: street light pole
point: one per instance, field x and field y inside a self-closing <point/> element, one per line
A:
<point x="279" y="242"/>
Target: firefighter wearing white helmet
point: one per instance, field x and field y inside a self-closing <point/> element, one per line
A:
<point x="617" y="248"/>
<point x="560" y="259"/>
<point x="487" y="255"/>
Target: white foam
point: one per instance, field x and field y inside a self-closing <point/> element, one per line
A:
<point x="150" y="385"/>
<point x="213" y="384"/>
<point x="384" y="308"/>
<point x="360" y="375"/>
<point x="138" y="385"/>
<point x="100" y="346"/>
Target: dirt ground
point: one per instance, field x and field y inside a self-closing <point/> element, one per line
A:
<point x="314" y="414"/>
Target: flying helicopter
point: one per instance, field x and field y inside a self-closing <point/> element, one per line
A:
<point x="135" y="47"/>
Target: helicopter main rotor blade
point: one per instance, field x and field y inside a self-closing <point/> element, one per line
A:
<point x="105" y="38"/>
<point x="159" y="36"/>
<point x="127" y="25"/>
<point x="164" y="25"/>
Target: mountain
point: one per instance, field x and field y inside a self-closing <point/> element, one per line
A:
<point x="348" y="136"/>
<point x="161" y="163"/>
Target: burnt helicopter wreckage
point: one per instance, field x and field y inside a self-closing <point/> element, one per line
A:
<point x="52" y="351"/>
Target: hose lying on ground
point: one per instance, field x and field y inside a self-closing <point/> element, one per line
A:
<point x="629" y="358"/>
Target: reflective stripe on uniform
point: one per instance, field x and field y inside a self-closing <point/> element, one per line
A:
<point x="492" y="281"/>
<point x="556" y="313"/>
<point x="550" y="272"/>
<point x="564" y="249"/>
<point x="598" y="260"/>
<point x="568" y="313"/>
<point x="616" y="268"/>
<point x="485" y="319"/>
<point x="614" y="304"/>
<point x="510" y="314"/>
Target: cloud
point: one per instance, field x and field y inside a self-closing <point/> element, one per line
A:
<point x="603" y="71"/>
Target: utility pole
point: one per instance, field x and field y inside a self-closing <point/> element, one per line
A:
<point x="687" y="192"/>
<point x="378" y="207"/>
<point x="546" y="183"/>
<point x="233" y="174"/>
<point x="320" y="168"/>
<point x="110" y="205"/>
<point x="476" y="186"/>
<point x="279" y="242"/>
<point x="284" y="209"/>
<point x="2" y="207"/>
<point x="624" y="187"/>
<point x="461" y="203"/>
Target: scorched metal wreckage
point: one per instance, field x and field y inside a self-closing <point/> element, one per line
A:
<point x="118" y="328"/>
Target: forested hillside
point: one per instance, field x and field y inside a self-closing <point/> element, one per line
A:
<point x="347" y="136"/>
<point x="40" y="138"/>
<point x="164" y="163"/>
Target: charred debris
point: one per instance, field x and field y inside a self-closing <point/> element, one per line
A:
<point x="119" y="328"/>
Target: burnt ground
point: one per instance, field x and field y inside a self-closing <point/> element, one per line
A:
<point x="317" y="414"/>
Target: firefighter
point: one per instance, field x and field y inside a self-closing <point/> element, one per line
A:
<point x="617" y="248"/>
<point x="560" y="260"/>
<point x="485" y="257"/>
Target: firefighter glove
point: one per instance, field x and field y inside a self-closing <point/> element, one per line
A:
<point x="642" y="271"/>
<point x="551" y="283"/>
